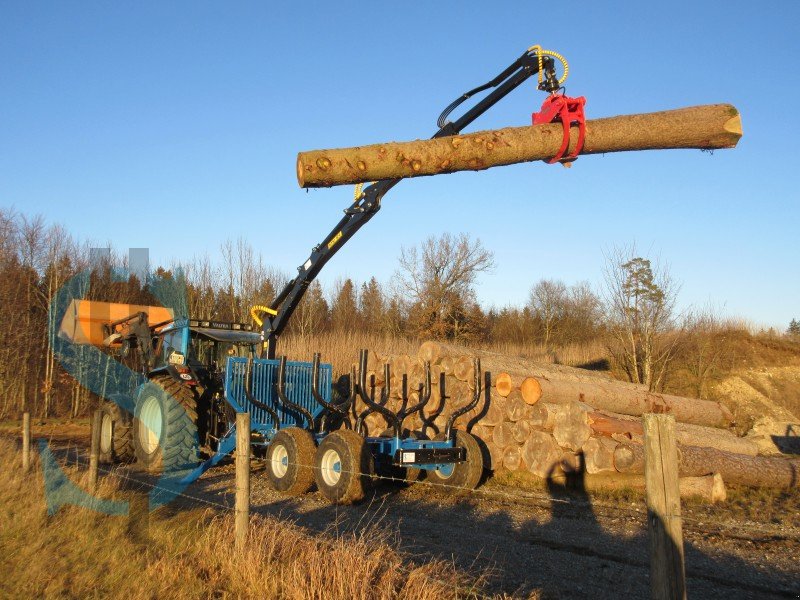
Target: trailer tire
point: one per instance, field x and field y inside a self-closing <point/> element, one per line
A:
<point x="165" y="426"/>
<point x="343" y="467"/>
<point x="290" y="457"/>
<point x="461" y="476"/>
<point x="116" y="436"/>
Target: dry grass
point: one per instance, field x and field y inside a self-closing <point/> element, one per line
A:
<point x="190" y="554"/>
<point x="341" y="349"/>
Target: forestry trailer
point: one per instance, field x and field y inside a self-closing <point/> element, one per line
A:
<point x="196" y="375"/>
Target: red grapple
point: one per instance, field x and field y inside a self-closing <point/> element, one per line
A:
<point x="568" y="111"/>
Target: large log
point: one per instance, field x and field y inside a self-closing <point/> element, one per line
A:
<point x="628" y="399"/>
<point x="571" y="429"/>
<point x="759" y="471"/>
<point x="704" y="127"/>
<point x="606" y="424"/>
<point x="542" y="455"/>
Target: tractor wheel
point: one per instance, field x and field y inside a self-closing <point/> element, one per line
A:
<point x="343" y="467"/>
<point x="116" y="439"/>
<point x="402" y="475"/>
<point x="290" y="457"/>
<point x="465" y="475"/>
<point x="165" y="426"/>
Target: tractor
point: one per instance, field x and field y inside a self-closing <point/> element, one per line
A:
<point x="198" y="374"/>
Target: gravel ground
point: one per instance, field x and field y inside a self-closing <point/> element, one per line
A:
<point x="543" y="543"/>
<point x="554" y="545"/>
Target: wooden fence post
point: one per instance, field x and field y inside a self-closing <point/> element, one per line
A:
<point x="139" y="516"/>
<point x="667" y="575"/>
<point x="94" y="450"/>
<point x="242" y="478"/>
<point x="26" y="442"/>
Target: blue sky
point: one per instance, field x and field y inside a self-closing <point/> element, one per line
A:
<point x="175" y="126"/>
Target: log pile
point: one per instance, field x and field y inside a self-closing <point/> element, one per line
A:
<point x="552" y="426"/>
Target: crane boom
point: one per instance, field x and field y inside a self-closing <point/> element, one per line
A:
<point x="369" y="201"/>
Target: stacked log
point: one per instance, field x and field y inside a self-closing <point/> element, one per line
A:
<point x="554" y="423"/>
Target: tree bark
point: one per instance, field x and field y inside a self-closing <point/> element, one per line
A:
<point x="603" y="423"/>
<point x="759" y="471"/>
<point x="704" y="127"/>
<point x="710" y="488"/>
<point x="629" y="399"/>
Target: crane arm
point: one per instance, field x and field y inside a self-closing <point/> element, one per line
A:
<point x="368" y="203"/>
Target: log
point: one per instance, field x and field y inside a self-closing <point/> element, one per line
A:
<point x="503" y="384"/>
<point x="463" y="368"/>
<point x="531" y="390"/>
<point x="512" y="457"/>
<point x="703" y="127"/>
<point x="603" y="423"/>
<point x="516" y="408"/>
<point x="543" y="415"/>
<point x="571" y="429"/>
<point x="447" y="363"/>
<point x="495" y="457"/>
<point x="495" y="413"/>
<point x="503" y="435"/>
<point x="430" y="352"/>
<point x="629" y="399"/>
<point x="690" y="487"/>
<point x="541" y="455"/>
<point x="757" y="471"/>
<point x="598" y="454"/>
<point x="521" y="431"/>
<point x="710" y="488"/>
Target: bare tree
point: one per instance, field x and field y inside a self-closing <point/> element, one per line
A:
<point x="438" y="278"/>
<point x="640" y="303"/>
<point x="705" y="347"/>
<point x="548" y="302"/>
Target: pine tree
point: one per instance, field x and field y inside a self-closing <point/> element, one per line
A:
<point x="344" y="311"/>
<point x="794" y="328"/>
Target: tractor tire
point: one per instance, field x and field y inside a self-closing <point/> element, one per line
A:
<point x="290" y="459"/>
<point x="343" y="467"/>
<point x="401" y="475"/>
<point x="116" y="435"/>
<point x="165" y="426"/>
<point x="460" y="476"/>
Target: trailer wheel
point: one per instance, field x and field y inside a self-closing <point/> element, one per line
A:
<point x="116" y="439"/>
<point x="402" y="475"/>
<point x="465" y="475"/>
<point x="290" y="456"/>
<point x="343" y="467"/>
<point x="165" y="426"/>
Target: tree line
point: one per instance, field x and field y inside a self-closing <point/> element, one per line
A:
<point x="632" y="319"/>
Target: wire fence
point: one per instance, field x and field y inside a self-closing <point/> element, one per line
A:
<point x="527" y="497"/>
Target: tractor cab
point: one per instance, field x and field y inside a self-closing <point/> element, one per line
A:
<point x="197" y="352"/>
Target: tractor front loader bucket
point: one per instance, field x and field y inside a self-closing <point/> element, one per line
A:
<point x="84" y="320"/>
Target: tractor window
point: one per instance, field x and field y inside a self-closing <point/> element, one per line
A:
<point x="201" y="349"/>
